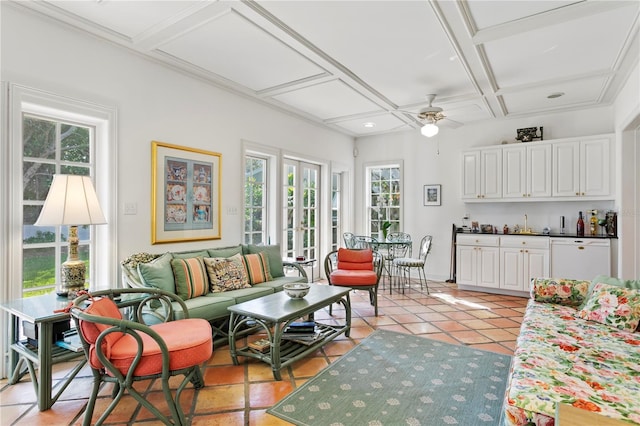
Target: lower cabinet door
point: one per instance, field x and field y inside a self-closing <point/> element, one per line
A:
<point x="488" y="267"/>
<point x="511" y="269"/>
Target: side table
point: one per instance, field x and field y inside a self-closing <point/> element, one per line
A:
<point x="305" y="262"/>
<point x="39" y="311"/>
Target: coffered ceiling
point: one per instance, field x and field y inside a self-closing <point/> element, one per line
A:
<point x="348" y="63"/>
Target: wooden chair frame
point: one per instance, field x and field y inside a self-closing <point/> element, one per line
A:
<point x="330" y="264"/>
<point x="124" y="382"/>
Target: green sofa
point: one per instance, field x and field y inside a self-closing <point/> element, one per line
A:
<point x="157" y="272"/>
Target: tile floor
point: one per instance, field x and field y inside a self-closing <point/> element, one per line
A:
<point x="239" y="395"/>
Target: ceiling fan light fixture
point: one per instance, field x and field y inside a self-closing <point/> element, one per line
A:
<point x="429" y="130"/>
<point x="369" y="124"/>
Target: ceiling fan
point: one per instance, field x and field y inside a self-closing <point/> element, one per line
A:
<point x="431" y="115"/>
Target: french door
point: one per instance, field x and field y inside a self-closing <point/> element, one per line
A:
<point x="300" y="197"/>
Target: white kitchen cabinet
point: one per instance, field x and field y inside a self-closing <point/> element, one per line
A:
<point x="482" y="174"/>
<point x="523" y="258"/>
<point x="477" y="260"/>
<point x="526" y="171"/>
<point x="581" y="168"/>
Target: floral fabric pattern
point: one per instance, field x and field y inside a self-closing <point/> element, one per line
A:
<point x="614" y="306"/>
<point x="226" y="273"/>
<point x="560" y="291"/>
<point x="563" y="359"/>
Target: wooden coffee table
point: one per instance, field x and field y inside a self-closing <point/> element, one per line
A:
<point x="275" y="312"/>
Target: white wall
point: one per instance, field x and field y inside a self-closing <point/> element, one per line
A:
<point x="424" y="165"/>
<point x="155" y="103"/>
<point x="627" y="116"/>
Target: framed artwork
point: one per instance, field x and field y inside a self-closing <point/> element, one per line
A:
<point x="185" y="193"/>
<point x="432" y="194"/>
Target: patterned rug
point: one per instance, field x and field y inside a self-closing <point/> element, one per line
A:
<point x="398" y="379"/>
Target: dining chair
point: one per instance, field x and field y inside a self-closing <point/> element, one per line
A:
<point x="398" y="245"/>
<point x="404" y="264"/>
<point x="365" y="242"/>
<point x="124" y="352"/>
<point x="349" y="239"/>
<point x="359" y="269"/>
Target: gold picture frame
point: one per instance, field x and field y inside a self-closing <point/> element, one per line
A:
<point x="185" y="193"/>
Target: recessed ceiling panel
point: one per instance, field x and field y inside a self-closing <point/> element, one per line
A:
<point x="236" y="49"/>
<point x="576" y="93"/>
<point x="381" y="123"/>
<point x="570" y="48"/>
<point x="129" y="18"/>
<point x="490" y="13"/>
<point x="397" y="47"/>
<point x="328" y="100"/>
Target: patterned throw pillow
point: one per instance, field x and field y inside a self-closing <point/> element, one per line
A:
<point x="614" y="306"/>
<point x="190" y="277"/>
<point x="226" y="274"/>
<point x="257" y="268"/>
<point x="560" y="291"/>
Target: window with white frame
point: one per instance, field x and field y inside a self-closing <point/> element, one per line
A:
<point x="50" y="146"/>
<point x="384" y="201"/>
<point x="52" y="134"/>
<point x="336" y="220"/>
<point x="255" y="200"/>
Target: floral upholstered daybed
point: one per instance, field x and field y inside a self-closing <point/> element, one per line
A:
<point x="579" y="344"/>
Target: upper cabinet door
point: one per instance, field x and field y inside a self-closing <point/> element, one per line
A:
<point x="566" y="169"/>
<point x="594" y="174"/>
<point x="538" y="171"/>
<point x="491" y="173"/>
<point x="514" y="172"/>
<point x="471" y="174"/>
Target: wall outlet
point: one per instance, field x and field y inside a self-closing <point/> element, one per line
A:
<point x="232" y="211"/>
<point x="466" y="216"/>
<point x="130" y="208"/>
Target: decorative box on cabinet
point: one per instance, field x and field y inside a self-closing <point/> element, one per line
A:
<point x="522" y="258"/>
<point x="482" y="174"/>
<point x="526" y="171"/>
<point x="477" y="260"/>
<point x="581" y="168"/>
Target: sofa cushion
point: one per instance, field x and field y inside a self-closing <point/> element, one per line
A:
<point x="277" y="283"/>
<point x="225" y="251"/>
<point x="191" y="277"/>
<point x="257" y="268"/>
<point x="246" y="294"/>
<point x="560" y="291"/>
<point x="158" y="273"/>
<point x="226" y="273"/>
<point x="190" y="254"/>
<point x="274" y="256"/>
<point x="210" y="306"/>
<point x="614" y="306"/>
<point x="349" y="259"/>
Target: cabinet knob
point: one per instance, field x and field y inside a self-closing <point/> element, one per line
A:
<point x="583" y="194"/>
<point x="577" y="193"/>
<point x="524" y="242"/>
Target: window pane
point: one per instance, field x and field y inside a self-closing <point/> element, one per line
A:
<point x="74" y="143"/>
<point x="39" y="138"/>
<point x="37" y="180"/>
<point x="39" y="268"/>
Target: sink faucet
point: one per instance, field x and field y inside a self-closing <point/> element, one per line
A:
<point x="525" y="223"/>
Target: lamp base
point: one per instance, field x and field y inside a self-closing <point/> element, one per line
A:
<point x="72" y="274"/>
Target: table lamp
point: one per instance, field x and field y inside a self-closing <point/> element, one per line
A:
<point x="71" y="201"/>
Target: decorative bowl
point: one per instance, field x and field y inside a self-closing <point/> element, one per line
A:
<point x="296" y="290"/>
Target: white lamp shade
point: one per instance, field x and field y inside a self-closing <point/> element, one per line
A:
<point x="429" y="130"/>
<point x="71" y="201"/>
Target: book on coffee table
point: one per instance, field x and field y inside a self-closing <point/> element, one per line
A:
<point x="261" y="345"/>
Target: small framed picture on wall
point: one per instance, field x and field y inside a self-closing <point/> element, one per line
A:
<point x="432" y="195"/>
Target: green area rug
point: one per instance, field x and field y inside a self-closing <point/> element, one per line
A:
<point x="398" y="379"/>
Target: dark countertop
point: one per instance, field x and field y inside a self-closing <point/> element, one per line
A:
<point x="601" y="237"/>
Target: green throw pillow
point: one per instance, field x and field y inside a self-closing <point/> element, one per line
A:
<point x="274" y="257"/>
<point x="189" y="254"/>
<point x="158" y="273"/>
<point x="225" y="252"/>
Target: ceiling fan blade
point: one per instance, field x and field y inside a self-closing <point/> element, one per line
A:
<point x="452" y="124"/>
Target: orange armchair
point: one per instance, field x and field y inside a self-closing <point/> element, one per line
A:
<point x="122" y="352"/>
<point x="359" y="269"/>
